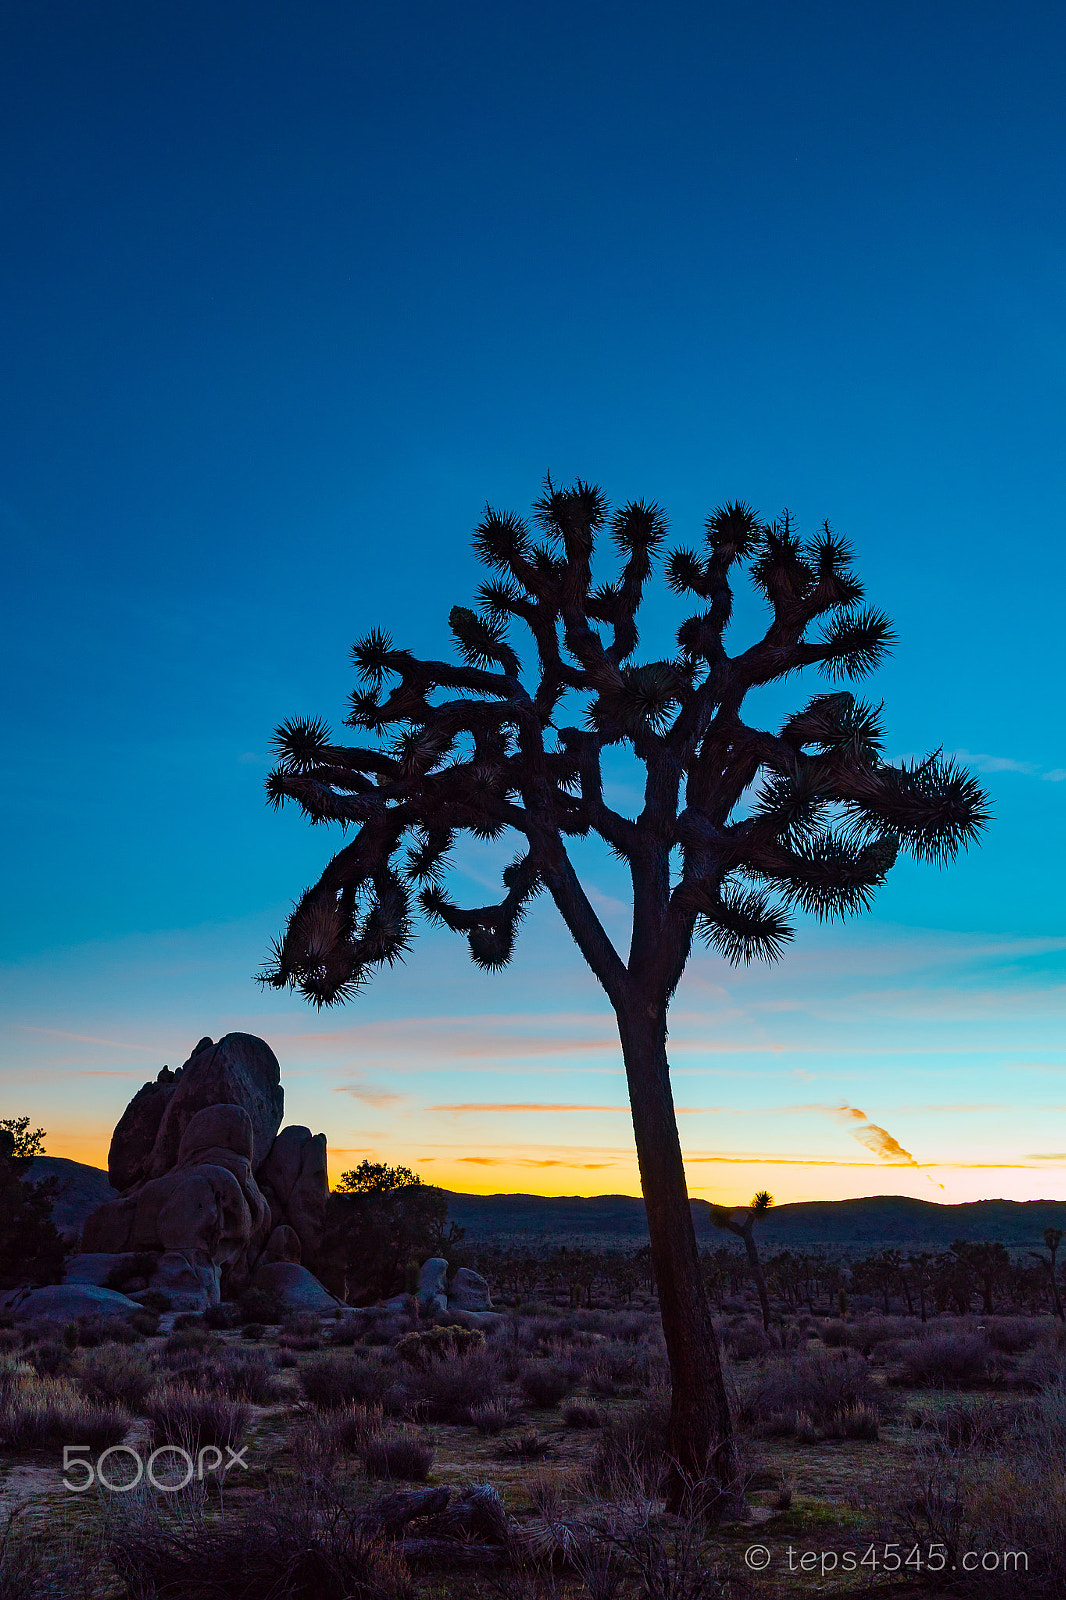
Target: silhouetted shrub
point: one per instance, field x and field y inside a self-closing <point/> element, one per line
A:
<point x="258" y="1306"/>
<point x="397" y="1455"/>
<point x="492" y="1416"/>
<point x="331" y="1381"/>
<point x="438" y="1344"/>
<point x="947" y="1361"/>
<point x="50" y="1412"/>
<point x="823" y="1384"/>
<point x="302" y="1543"/>
<point x="193" y="1418"/>
<point x="114" y="1373"/>
<point x="545" y="1383"/>
<point x="582" y="1414"/>
<point x="447" y="1389"/>
<point x="222" y="1317"/>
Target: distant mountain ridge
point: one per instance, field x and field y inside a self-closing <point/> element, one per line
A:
<point x="617" y="1221"/>
<point x="894" y="1221"/>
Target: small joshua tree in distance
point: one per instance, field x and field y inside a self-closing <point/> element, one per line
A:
<point x="743" y="1226"/>
<point x="479" y="747"/>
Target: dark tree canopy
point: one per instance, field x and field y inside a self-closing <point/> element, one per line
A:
<point x="31" y="1248"/>
<point x="481" y="746"/>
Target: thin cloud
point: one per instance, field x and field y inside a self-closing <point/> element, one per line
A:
<point x="88" y="1038"/>
<point x="527" y="1161"/>
<point x="877" y="1139"/>
<point x="368" y="1096"/>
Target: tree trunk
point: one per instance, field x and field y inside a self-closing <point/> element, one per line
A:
<point x="747" y="1233"/>
<point x="701" y="1429"/>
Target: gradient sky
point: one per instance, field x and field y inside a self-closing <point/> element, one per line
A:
<point x="287" y="291"/>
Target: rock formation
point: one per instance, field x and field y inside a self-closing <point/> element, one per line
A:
<point x="209" y="1186"/>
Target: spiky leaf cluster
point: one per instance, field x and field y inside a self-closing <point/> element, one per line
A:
<point x="510" y="737"/>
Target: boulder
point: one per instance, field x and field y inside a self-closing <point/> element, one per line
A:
<point x="109" y="1229"/>
<point x="294" y="1286"/>
<point x="293" y="1179"/>
<point x="135" y="1133"/>
<point x="283" y="1245"/>
<point x="65" y="1301"/>
<point x="469" y="1291"/>
<point x="433" y="1285"/>
<point x="191" y="1281"/>
<point x="240" y="1070"/>
<point x="98" y="1267"/>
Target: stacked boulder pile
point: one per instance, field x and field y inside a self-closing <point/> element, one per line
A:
<point x="215" y="1197"/>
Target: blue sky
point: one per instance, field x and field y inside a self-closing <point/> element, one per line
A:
<point x="288" y="291"/>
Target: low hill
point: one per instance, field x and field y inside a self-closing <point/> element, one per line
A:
<point x="617" y="1221"/>
<point x="81" y="1190"/>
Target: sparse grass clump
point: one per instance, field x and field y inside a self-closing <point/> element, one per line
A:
<point x="948" y="1361"/>
<point x="397" y="1455"/>
<point x="194" y="1418"/>
<point x="49" y="1412"/>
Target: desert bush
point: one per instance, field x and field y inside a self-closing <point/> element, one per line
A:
<point x="983" y="1423"/>
<point x="303" y="1543"/>
<point x="191" y="1341"/>
<point x="332" y="1381"/>
<point x="492" y="1416"/>
<point x="194" y="1418"/>
<point x="947" y="1361"/>
<point x="397" y="1455"/>
<point x="114" y="1373"/>
<point x="237" y="1374"/>
<point x="96" y="1330"/>
<point x="156" y="1300"/>
<point x="144" y="1323"/>
<point x="1044" y="1365"/>
<point x="50" y="1359"/>
<point x="582" y="1414"/>
<point x="855" y="1422"/>
<point x="1011" y="1501"/>
<point x="545" y="1383"/>
<point x="1011" y="1335"/>
<point x="32" y="1569"/>
<point x="256" y="1305"/>
<point x="253" y="1331"/>
<point x="51" y="1412"/>
<point x="320" y="1436"/>
<point x="823" y="1384"/>
<point x="631" y="1452"/>
<point x="745" y="1340"/>
<point x="447" y="1390"/>
<point x="222" y="1317"/>
<point x="436" y="1344"/>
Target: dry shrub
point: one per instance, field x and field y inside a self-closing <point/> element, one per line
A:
<point x="1044" y="1366"/>
<point x="50" y="1412"/>
<point x="823" y="1384"/>
<point x="582" y="1414"/>
<point x="237" y="1374"/>
<point x="991" y="1501"/>
<point x="447" y="1390"/>
<point x="545" y="1383"/>
<point x="948" y="1361"/>
<point x="492" y="1416"/>
<point x="631" y="1453"/>
<point x="194" y="1418"/>
<point x="321" y="1437"/>
<point x="1012" y="1335"/>
<point x="331" y="1381"/>
<point x="303" y="1543"/>
<point x="114" y="1373"/>
<point x="438" y="1344"/>
<point x="746" y="1339"/>
<point x="397" y="1455"/>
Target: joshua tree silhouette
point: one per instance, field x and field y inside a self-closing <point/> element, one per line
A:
<point x="744" y="1227"/>
<point x="738" y="824"/>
